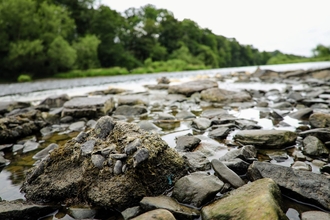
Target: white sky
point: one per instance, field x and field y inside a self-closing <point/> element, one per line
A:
<point x="291" y="26"/>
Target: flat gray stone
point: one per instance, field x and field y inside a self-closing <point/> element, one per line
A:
<point x="44" y="152"/>
<point x="304" y="185"/>
<point x="189" y="88"/>
<point x="226" y="174"/>
<point x="315" y="215"/>
<point x="164" y="202"/>
<point x="197" y="188"/>
<point x="266" y="138"/>
<point x="89" y="107"/>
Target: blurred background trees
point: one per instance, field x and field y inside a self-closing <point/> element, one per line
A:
<point x="43" y="37"/>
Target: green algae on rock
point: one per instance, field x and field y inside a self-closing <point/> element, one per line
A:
<point x="257" y="200"/>
<point x="69" y="175"/>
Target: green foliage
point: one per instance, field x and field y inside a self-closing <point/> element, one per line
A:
<point x="24" y="78"/>
<point x="61" y="55"/>
<point x="93" y="72"/>
<point x="86" y="49"/>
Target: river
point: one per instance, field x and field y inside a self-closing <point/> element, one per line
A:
<point x="39" y="90"/>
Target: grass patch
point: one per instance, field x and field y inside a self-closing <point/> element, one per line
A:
<point x="114" y="71"/>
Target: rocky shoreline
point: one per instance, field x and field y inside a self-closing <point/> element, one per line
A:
<point x="219" y="163"/>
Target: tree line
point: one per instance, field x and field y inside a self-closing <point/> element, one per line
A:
<point x="44" y="37"/>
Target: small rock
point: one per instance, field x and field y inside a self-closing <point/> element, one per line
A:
<point x="148" y="126"/>
<point x="77" y="126"/>
<point x="132" y="212"/>
<point x="197" y="188"/>
<point x="104" y="126"/>
<point x="118" y="167"/>
<point x="30" y="146"/>
<point x="133" y="146"/>
<point x="157" y="214"/>
<point x="197" y="161"/>
<point x="187" y="143"/>
<point x="165" y="202"/>
<point x="87" y="147"/>
<point x="226" y="174"/>
<point x="201" y="123"/>
<point x="165" y="116"/>
<point x="314" y="147"/>
<point x="44" y="152"/>
<point x="219" y="133"/>
<point x="98" y="160"/>
<point x="140" y="156"/>
<point x="313" y="215"/>
<point x="184" y="114"/>
<point x="299" y="165"/>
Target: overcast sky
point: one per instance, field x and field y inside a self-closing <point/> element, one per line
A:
<point x="291" y="26"/>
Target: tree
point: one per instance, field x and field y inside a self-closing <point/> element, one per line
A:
<point x="28" y="28"/>
<point x="61" y="55"/>
<point x="321" y="51"/>
<point x="86" y="48"/>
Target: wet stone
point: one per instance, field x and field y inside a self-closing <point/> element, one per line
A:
<point x="201" y="123"/>
<point x="188" y="88"/>
<point x="219" y="133"/>
<point x="266" y="138"/>
<point x="132" y="212"/>
<point x="226" y="174"/>
<point x="30" y="146"/>
<point x="184" y="114"/>
<point x="165" y="202"/>
<point x="148" y="126"/>
<point x="165" y="116"/>
<point x="197" y="161"/>
<point x="319" y="120"/>
<point x="314" y="147"/>
<point x="127" y="110"/>
<point x="77" y="126"/>
<point x="237" y="165"/>
<point x="301" y="113"/>
<point x="156" y="214"/>
<point x="44" y="152"/>
<point x="197" y="188"/>
<point x="299" y="165"/>
<point x="187" y="143"/>
<point x="313" y="215"/>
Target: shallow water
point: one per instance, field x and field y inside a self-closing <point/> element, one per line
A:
<point x="12" y="176"/>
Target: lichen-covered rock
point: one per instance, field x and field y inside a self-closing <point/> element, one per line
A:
<point x="73" y="174"/>
<point x="257" y="200"/>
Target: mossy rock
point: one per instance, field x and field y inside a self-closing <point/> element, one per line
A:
<point x="68" y="176"/>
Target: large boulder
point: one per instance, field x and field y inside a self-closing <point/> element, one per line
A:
<point x="257" y="200"/>
<point x="188" y="88"/>
<point x="224" y="96"/>
<point x="89" y="107"/>
<point x="113" y="166"/>
<point x="302" y="185"/>
<point x="266" y="138"/>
